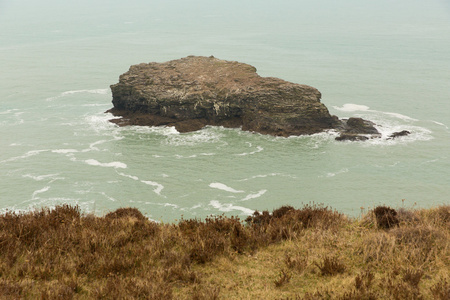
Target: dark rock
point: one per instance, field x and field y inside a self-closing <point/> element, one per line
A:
<point x="351" y="137"/>
<point x="192" y="92"/>
<point x="357" y="129"/>
<point x="399" y="134"/>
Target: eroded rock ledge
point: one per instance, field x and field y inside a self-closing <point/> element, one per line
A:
<point x="195" y="91"/>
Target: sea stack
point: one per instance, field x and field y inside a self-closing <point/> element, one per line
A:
<point x="195" y="91"/>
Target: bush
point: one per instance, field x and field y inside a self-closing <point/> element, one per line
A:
<point x="386" y="217"/>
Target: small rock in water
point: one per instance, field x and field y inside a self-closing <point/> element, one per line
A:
<point x="398" y="134"/>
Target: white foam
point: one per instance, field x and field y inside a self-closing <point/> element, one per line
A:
<point x="100" y="123"/>
<point x="108" y="197"/>
<point x="207" y="135"/>
<point x="400" y="116"/>
<point x="190" y="156"/>
<point x="162" y="130"/>
<point x="223" y="187"/>
<point x="341" y="171"/>
<point x="92" y="146"/>
<point x="129" y="176"/>
<point x="417" y="133"/>
<point x="441" y="124"/>
<point x="388" y="123"/>
<point x="51" y="177"/>
<point x="114" y="164"/>
<point x="267" y="175"/>
<point x="6" y="112"/>
<point x="96" y="104"/>
<point x="258" y="149"/>
<point x="350" y="107"/>
<point x="26" y="155"/>
<point x="159" y="187"/>
<point x="253" y="196"/>
<point x="227" y="207"/>
<point x="94" y="91"/>
<point x="43" y="190"/>
<point x="157" y="190"/>
<point x="65" y="151"/>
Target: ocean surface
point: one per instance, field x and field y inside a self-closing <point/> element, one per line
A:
<point x="385" y="61"/>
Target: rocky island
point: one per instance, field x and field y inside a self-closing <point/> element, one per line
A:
<point x="195" y="91"/>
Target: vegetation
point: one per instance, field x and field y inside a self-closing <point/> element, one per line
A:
<point x="307" y="253"/>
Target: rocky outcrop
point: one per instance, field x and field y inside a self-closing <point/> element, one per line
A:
<point x="399" y="134"/>
<point x="195" y="91"/>
<point x="357" y="129"/>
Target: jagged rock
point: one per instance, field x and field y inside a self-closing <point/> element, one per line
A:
<point x="351" y="137"/>
<point x="398" y="134"/>
<point x="357" y="129"/>
<point x="192" y="92"/>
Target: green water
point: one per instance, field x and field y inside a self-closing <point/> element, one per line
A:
<point x="385" y="62"/>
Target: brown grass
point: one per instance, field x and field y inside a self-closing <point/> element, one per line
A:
<point x="307" y="253"/>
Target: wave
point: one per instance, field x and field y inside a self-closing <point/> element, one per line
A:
<point x="12" y="113"/>
<point x="388" y="123"/>
<point x="67" y="93"/>
<point x="267" y="175"/>
<point x="223" y="187"/>
<point x="228" y="207"/>
<point x="96" y="104"/>
<point x="35" y="193"/>
<point x="253" y="196"/>
<point x="190" y="156"/>
<point x="50" y="177"/>
<point x="101" y="124"/>
<point x="64" y="151"/>
<point x="332" y="174"/>
<point x="350" y="107"/>
<point x="203" y="136"/>
<point x="440" y="124"/>
<point x="114" y="164"/>
<point x="26" y="155"/>
<point x="161" y="130"/>
<point x="108" y="197"/>
<point x="158" y="187"/>
<point x="8" y="111"/>
<point x="258" y="149"/>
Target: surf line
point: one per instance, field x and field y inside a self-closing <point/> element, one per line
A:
<point x="158" y="187"/>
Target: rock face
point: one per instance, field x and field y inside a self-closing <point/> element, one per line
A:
<point x="195" y="91"/>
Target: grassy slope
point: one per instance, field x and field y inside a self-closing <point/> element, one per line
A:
<point x="307" y="253"/>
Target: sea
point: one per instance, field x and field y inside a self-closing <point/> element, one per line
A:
<point x="385" y="61"/>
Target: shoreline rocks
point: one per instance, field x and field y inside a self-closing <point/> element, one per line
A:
<point x="195" y="91"/>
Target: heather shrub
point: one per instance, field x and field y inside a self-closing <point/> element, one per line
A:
<point x="330" y="266"/>
<point x="215" y="236"/>
<point x="386" y="217"/>
<point x="286" y="222"/>
<point x="126" y="212"/>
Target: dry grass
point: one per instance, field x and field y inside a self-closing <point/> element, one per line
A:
<point x="307" y="253"/>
